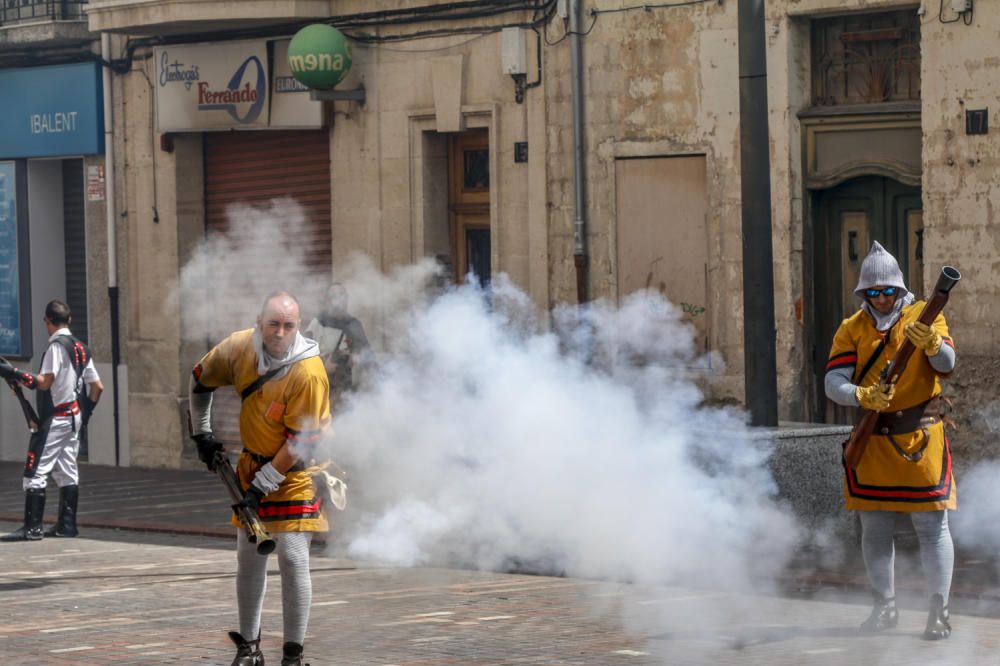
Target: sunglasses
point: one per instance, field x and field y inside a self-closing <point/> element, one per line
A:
<point x="888" y="291"/>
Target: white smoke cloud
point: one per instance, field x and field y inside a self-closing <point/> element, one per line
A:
<point x="977" y="524"/>
<point x="483" y="438"/>
<point x="224" y="282"/>
<point x="487" y="436"/>
<point x="482" y="441"/>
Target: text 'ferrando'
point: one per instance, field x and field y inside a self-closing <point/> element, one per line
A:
<point x="53" y="123"/>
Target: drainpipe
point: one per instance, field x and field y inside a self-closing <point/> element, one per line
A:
<point x="760" y="374"/>
<point x="579" y="166"/>
<point x="110" y="198"/>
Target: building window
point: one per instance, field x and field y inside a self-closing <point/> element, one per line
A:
<point x="866" y="59"/>
<point x="477" y="170"/>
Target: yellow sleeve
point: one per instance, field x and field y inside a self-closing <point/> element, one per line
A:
<point x="215" y="368"/>
<point x="307" y="414"/>
<point x="843" y="351"/>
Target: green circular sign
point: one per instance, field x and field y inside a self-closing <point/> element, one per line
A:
<point x="319" y="56"/>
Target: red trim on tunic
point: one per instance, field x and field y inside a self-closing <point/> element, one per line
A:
<point x="851" y="359"/>
<point x="295" y="510"/>
<point x="303" y="437"/>
<point x="869" y="493"/>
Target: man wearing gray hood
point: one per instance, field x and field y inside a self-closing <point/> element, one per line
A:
<point x="906" y="468"/>
<point x="285" y="410"/>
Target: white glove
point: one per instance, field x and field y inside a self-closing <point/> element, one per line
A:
<point x="267" y="479"/>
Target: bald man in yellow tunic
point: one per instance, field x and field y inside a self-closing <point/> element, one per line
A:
<point x="286" y="408"/>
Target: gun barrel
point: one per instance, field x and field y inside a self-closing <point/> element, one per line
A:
<point x="256" y="533"/>
<point x="949" y="278"/>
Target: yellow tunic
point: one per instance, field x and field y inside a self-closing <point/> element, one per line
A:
<point x="294" y="407"/>
<point x="885" y="480"/>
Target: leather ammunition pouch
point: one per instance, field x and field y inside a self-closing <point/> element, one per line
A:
<point x="912" y="419"/>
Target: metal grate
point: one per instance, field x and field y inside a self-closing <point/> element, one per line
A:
<point x="866" y="59"/>
<point x="24" y="11"/>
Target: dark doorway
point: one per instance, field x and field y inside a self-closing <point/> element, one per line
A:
<point x="477" y="250"/>
<point x="848" y="218"/>
<point x="469" y="205"/>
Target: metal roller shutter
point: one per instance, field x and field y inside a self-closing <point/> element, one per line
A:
<point x="75" y="245"/>
<point x="75" y="252"/>
<point x="255" y="168"/>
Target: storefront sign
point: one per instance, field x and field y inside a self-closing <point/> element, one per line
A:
<point x="50" y="111"/>
<point x="290" y="103"/>
<point x="14" y="329"/>
<point x="95" y="182"/>
<point x="212" y="86"/>
<point x="228" y="85"/>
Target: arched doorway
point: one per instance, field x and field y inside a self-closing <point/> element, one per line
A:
<point x="847" y="218"/>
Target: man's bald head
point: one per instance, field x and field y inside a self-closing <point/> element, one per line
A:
<point x="279" y="322"/>
<point x="284" y="298"/>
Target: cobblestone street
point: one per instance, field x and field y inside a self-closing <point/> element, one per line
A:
<point x="123" y="597"/>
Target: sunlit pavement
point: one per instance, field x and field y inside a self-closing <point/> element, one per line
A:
<point x="160" y="590"/>
<point x="124" y="597"/>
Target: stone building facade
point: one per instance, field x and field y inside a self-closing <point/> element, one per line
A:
<point x="877" y="131"/>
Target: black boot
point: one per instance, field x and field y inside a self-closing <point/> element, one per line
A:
<point x="292" y="654"/>
<point x="34" y="509"/>
<point x="884" y="615"/>
<point x="938" y="626"/>
<point x="247" y="652"/>
<point x="66" y="524"/>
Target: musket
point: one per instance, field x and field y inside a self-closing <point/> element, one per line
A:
<point x="29" y="412"/>
<point x="856" y="445"/>
<point x="250" y="520"/>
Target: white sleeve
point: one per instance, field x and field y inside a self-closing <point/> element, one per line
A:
<point x="839" y="387"/>
<point x="90" y="373"/>
<point x="55" y="358"/>
<point x="200" y="405"/>
<point x="944" y="360"/>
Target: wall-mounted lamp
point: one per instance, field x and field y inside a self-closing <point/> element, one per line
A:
<point x="514" y="59"/>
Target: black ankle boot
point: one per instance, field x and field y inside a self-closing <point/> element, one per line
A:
<point x="34" y="509"/>
<point x="247" y="652"/>
<point x="66" y="524"/>
<point x="292" y="654"/>
<point x="938" y="626"/>
<point x="884" y="615"/>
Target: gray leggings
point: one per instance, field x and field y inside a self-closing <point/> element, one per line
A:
<point x="296" y="584"/>
<point x="937" y="554"/>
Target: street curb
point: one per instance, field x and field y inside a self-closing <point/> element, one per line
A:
<point x="228" y="532"/>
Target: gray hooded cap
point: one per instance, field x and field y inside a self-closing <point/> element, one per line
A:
<point x="879" y="269"/>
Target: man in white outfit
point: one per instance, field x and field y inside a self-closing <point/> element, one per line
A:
<point x="68" y="387"/>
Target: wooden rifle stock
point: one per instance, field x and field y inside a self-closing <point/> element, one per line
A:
<point x="255" y="529"/>
<point x="856" y="445"/>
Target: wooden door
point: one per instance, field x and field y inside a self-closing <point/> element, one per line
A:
<point x="848" y="218"/>
<point x="469" y="206"/>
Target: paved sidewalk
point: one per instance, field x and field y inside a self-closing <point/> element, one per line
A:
<point x="194" y="502"/>
<point x="124" y="597"/>
<point x="133" y="498"/>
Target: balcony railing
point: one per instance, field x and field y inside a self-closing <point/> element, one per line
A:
<point x="25" y="11"/>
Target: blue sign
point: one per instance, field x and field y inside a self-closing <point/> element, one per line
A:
<point x="52" y="111"/>
<point x="10" y="284"/>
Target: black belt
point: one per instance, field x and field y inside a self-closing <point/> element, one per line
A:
<point x="263" y="460"/>
<point x="910" y="419"/>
